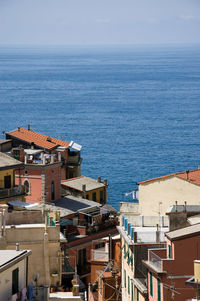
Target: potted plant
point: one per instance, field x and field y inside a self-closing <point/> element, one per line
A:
<point x="54" y="273"/>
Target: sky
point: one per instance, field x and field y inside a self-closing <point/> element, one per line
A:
<point x="83" y="22"/>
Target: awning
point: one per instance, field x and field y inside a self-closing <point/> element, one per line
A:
<point x="75" y="146"/>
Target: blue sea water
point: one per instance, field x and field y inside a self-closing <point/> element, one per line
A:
<point x="135" y="110"/>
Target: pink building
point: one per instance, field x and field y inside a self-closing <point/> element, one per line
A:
<point x="41" y="176"/>
<point x="169" y="268"/>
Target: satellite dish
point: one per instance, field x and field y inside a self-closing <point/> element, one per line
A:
<point x="36" y="277"/>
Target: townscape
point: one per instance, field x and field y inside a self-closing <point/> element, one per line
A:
<point x="61" y="240"/>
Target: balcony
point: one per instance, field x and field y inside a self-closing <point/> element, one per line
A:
<point x="12" y="192"/>
<point x="157" y="259"/>
<point x="99" y="254"/>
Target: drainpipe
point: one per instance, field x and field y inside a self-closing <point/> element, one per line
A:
<point x="0" y="224"/>
<point x="4" y="222"/>
<point x="110" y="247"/>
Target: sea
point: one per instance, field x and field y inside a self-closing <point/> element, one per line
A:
<point x="134" y="109"/>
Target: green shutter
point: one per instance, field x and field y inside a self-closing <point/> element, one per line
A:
<point x="169" y="251"/>
<point x="128" y="285"/>
<point x="124" y="278"/>
<point x="151" y="284"/>
<point x="158" y="290"/>
<point x="132" y="290"/>
<point x="15" y="281"/>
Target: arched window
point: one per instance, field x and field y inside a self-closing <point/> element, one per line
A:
<point x="27" y="186"/>
<point x="52" y="191"/>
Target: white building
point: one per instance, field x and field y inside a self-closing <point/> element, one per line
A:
<point x="13" y="273"/>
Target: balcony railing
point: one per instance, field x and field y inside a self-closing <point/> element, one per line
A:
<point x="99" y="254"/>
<point x="13" y="191"/>
<point x="155" y="260"/>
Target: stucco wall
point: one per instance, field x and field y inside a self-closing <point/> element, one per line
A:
<point x="166" y="191"/>
<point x="6" y="280"/>
<point x="45" y="250"/>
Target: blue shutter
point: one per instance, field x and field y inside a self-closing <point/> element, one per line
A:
<point x="129" y="229"/>
<point x="132" y="233"/>
<point x="126" y="226"/>
<point x="123" y="221"/>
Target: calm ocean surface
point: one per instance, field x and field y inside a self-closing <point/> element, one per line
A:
<point x="135" y="110"/>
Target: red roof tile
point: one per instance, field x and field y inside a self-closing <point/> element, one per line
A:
<point x="192" y="176"/>
<point x="38" y="139"/>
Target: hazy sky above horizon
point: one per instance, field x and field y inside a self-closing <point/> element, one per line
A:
<point x="99" y="21"/>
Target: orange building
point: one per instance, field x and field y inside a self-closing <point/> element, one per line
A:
<point x="169" y="268"/>
<point x="69" y="151"/>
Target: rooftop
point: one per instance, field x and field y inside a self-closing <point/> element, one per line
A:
<point x="7" y="162"/>
<point x="192" y="176"/>
<point x="38" y="139"/>
<point x="10" y="256"/>
<point x="67" y="205"/>
<point x="77" y="183"/>
<point x="183" y="208"/>
<point x="184" y="232"/>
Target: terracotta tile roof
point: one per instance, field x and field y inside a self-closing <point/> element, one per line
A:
<point x="38" y="139"/>
<point x="192" y="176"/>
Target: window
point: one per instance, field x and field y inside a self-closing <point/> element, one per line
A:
<point x="101" y="196"/>
<point x="7" y="182"/>
<point x="52" y="191"/>
<point x="15" y="281"/>
<point x="128" y="285"/>
<point x="151" y="284"/>
<point x="94" y="197"/>
<point x="87" y="196"/>
<point x="82" y="257"/>
<point x="158" y="290"/>
<point x="27" y="186"/>
<point x="169" y="251"/>
<point x="124" y="278"/>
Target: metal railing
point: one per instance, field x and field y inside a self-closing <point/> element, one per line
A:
<point x="155" y="260"/>
<point x="99" y="254"/>
<point x="13" y="191"/>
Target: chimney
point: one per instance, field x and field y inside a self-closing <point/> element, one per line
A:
<point x="17" y="246"/>
<point x="105" y="182"/>
<point x="84" y="187"/>
<point x="29" y="127"/>
<point x="187" y="172"/>
<point x="176" y="205"/>
<point x="99" y="179"/>
<point x="18" y="129"/>
<point x="157" y="234"/>
<point x="185" y="204"/>
<point x="59" y="156"/>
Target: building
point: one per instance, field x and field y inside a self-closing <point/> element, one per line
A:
<point x="41" y="175"/>
<point x="8" y="189"/>
<point x="170" y="267"/>
<point x="28" y="229"/>
<point x="137" y="236"/>
<point x="87" y="188"/>
<point x="70" y="151"/>
<point x="194" y="281"/>
<point x="83" y="230"/>
<point x="13" y="273"/>
<point x="158" y="194"/>
<point x="105" y="269"/>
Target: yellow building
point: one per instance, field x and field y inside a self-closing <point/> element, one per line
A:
<point x="158" y="194"/>
<point x="8" y="190"/>
<point x="87" y="188"/>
